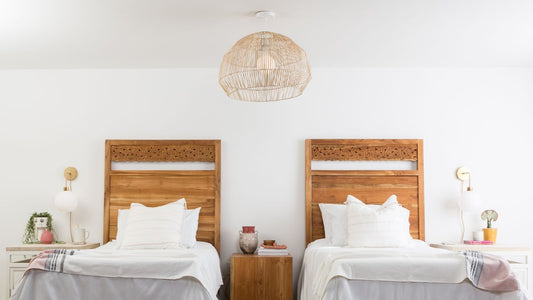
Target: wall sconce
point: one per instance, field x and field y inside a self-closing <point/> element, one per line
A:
<point x="469" y="200"/>
<point x="66" y="200"/>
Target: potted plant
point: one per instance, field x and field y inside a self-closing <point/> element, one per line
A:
<point x="31" y="234"/>
<point x="489" y="233"/>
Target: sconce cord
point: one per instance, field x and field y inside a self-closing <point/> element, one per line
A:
<point x="463" y="226"/>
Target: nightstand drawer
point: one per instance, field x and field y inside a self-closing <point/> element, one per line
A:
<point x="21" y="258"/>
<point x="15" y="275"/>
<point x="521" y="273"/>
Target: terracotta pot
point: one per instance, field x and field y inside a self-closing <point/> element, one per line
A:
<point x="47" y="237"/>
<point x="489" y="234"/>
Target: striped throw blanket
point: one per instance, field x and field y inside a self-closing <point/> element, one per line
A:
<point x="490" y="272"/>
<point x="50" y="260"/>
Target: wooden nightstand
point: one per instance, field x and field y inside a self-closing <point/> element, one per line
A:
<point x="519" y="258"/>
<point x="18" y="258"/>
<point x="261" y="277"/>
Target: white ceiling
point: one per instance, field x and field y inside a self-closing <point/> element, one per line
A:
<point x="334" y="33"/>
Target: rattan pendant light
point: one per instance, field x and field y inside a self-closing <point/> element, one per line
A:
<point x="264" y="66"/>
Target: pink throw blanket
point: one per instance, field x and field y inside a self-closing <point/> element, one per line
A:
<point x="490" y="272"/>
<point x="50" y="260"/>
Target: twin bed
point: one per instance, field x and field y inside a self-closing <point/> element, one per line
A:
<point x="362" y="247"/>
<point x="152" y="173"/>
<point x="402" y="267"/>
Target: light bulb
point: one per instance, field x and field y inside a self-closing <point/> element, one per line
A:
<point x="265" y="61"/>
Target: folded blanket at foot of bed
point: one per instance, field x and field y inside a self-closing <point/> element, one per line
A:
<point x="489" y="272"/>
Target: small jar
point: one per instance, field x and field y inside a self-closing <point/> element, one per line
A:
<point x="248" y="242"/>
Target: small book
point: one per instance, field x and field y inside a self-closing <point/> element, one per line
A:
<point x="264" y="251"/>
<point x="479" y="242"/>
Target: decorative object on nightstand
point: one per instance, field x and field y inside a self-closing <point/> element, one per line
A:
<point x="66" y="200"/>
<point x="478" y="235"/>
<point x="489" y="233"/>
<point x="469" y="200"/>
<point x="261" y="277"/>
<point x="19" y="257"/>
<point x="36" y="225"/>
<point x="519" y="258"/>
<point x="47" y="237"/>
<point x="248" y="239"/>
<point x="270" y="247"/>
<point x="80" y="235"/>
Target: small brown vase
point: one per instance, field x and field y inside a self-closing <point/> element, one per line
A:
<point x="489" y="234"/>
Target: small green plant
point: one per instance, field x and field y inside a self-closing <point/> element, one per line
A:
<point x="489" y="215"/>
<point x="29" y="234"/>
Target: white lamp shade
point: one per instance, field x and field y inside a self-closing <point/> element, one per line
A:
<point x="469" y="201"/>
<point x="66" y="201"/>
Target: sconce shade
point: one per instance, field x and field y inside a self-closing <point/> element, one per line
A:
<point x="264" y="66"/>
<point x="469" y="201"/>
<point x="66" y="201"/>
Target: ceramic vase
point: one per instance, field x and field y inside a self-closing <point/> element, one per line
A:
<point x="248" y="242"/>
<point x="47" y="237"/>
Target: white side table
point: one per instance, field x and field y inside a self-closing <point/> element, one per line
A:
<point x="519" y="258"/>
<point x="19" y="257"/>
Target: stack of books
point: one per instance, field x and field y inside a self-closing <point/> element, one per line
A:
<point x="479" y="242"/>
<point x="273" y="250"/>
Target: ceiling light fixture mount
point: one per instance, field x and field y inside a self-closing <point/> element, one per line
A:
<point x="265" y="14"/>
<point x="264" y="66"/>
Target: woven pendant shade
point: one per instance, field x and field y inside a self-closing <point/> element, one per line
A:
<point x="264" y="66"/>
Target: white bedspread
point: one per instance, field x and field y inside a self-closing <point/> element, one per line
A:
<point x="201" y="263"/>
<point x="415" y="263"/>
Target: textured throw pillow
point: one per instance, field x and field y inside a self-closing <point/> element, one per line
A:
<point x="154" y="227"/>
<point x="334" y="219"/>
<point x="385" y="225"/>
<point x="190" y="226"/>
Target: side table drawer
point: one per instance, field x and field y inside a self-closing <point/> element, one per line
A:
<point x="521" y="272"/>
<point x="21" y="258"/>
<point x="15" y="275"/>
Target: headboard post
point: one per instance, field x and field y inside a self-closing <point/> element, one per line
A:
<point x="369" y="185"/>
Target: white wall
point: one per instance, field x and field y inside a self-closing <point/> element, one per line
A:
<point x="481" y="118"/>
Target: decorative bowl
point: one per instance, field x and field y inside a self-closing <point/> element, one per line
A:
<point x="269" y="242"/>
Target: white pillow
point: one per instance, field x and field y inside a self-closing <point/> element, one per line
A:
<point x="334" y="219"/>
<point x="188" y="230"/>
<point x="154" y="227"/>
<point x="122" y="222"/>
<point x="190" y="226"/>
<point x="385" y="225"/>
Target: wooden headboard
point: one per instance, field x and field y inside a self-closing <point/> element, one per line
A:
<point x="370" y="186"/>
<point x="159" y="187"/>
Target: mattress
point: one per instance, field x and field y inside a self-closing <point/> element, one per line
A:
<point x="108" y="273"/>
